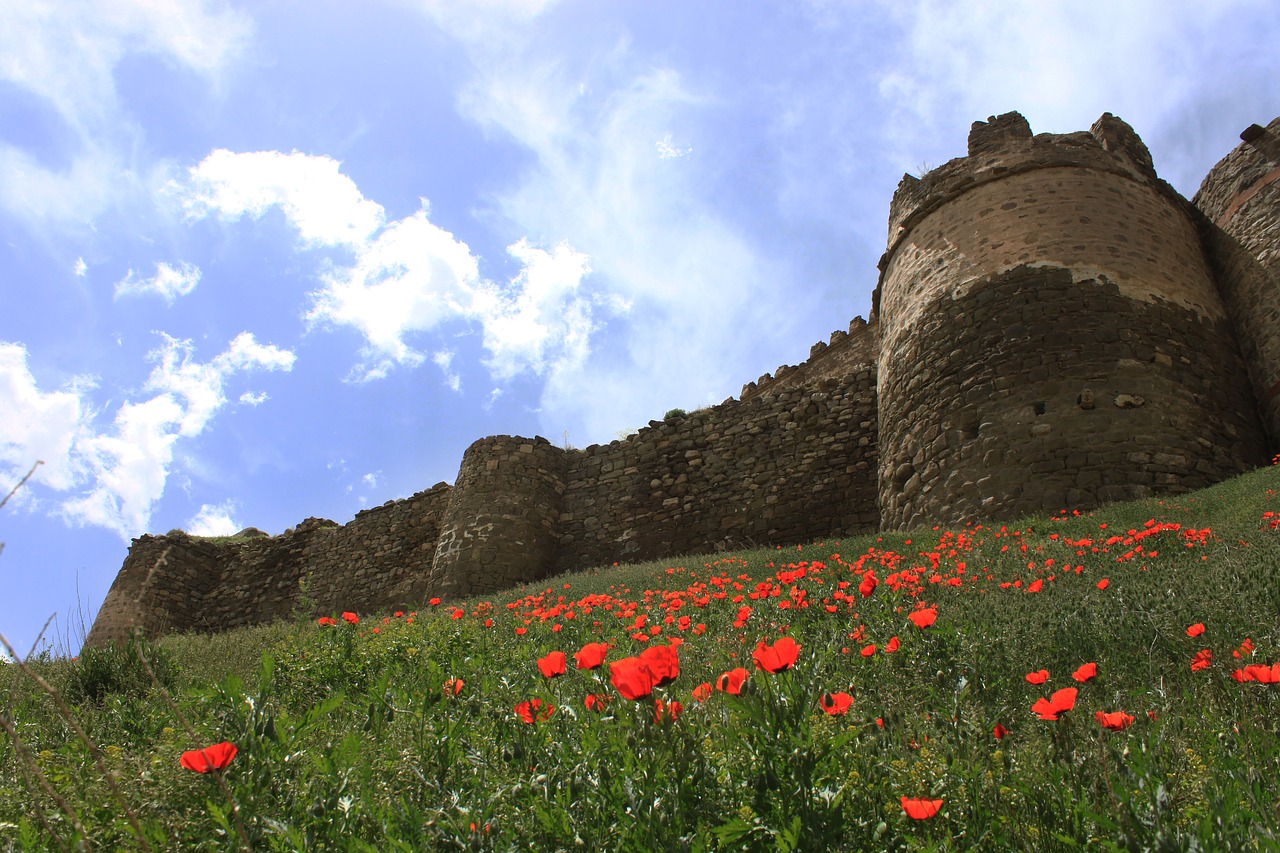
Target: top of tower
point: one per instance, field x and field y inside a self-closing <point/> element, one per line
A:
<point x="1254" y="163"/>
<point x="1004" y="145"/>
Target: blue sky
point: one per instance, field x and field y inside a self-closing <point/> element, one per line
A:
<point x="270" y="260"/>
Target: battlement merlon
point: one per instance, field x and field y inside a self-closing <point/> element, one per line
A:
<point x="1004" y="145"/>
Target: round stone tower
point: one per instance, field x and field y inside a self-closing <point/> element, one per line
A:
<point x="500" y="527"/>
<point x="1050" y="334"/>
<point x="1240" y="197"/>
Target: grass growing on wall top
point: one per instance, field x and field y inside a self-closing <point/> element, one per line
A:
<point x="884" y="700"/>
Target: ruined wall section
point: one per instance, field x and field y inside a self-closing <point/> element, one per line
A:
<point x="839" y="357"/>
<point x="780" y="467"/>
<point x="1046" y="310"/>
<point x="378" y="561"/>
<point x="1240" y="199"/>
<point x="159" y="589"/>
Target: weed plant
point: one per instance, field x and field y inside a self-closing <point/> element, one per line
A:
<point x="897" y="716"/>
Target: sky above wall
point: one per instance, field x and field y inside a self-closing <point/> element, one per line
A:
<point x="270" y="260"/>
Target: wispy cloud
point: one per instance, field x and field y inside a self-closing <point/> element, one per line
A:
<point x="1062" y="63"/>
<point x="168" y="283"/>
<point x="662" y="257"/>
<point x="112" y="478"/>
<point x="65" y="53"/>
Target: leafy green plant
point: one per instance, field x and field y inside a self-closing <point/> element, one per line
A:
<point x="118" y="669"/>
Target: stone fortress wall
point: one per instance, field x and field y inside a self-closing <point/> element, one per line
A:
<point x="1053" y="326"/>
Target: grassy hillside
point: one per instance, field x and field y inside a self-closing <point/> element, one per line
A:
<point x="827" y="696"/>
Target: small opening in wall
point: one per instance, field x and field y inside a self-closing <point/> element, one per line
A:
<point x="1040" y="407"/>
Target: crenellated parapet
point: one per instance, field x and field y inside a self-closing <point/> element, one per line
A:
<point x="842" y="355"/>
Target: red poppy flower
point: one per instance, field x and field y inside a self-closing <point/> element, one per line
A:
<point x="215" y="757"/>
<point x="918" y="808"/>
<point x="836" y="704"/>
<point x="1036" y="585"/>
<point x="453" y="687"/>
<point x="1201" y="660"/>
<point x="663" y="662"/>
<point x="868" y="650"/>
<point x="595" y="702"/>
<point x="1261" y="673"/>
<point x="534" y="710"/>
<point x="1059" y="703"/>
<point x="999" y="732"/>
<point x="1195" y="630"/>
<point x="1040" y="676"/>
<point x="702" y="692"/>
<point x="1116" y="721"/>
<point x="632" y="677"/>
<point x="591" y="655"/>
<point x="778" y="657"/>
<point x="552" y="665"/>
<point x="732" y="681"/>
<point x="868" y="585"/>
<point x="924" y="618"/>
<point x="892" y="645"/>
<point x="433" y="602"/>
<point x="1085" y="672"/>
<point x="1245" y="648"/>
<point x="666" y="711"/>
<point x="1103" y="584"/>
<point x="326" y="620"/>
<point x="350" y="617"/>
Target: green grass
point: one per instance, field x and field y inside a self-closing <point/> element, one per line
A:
<point x="349" y="739"/>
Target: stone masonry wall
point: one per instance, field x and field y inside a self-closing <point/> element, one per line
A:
<point x="380" y="560"/>
<point x="1054" y="326"/>
<point x="1021" y="411"/>
<point x="500" y="528"/>
<point x="1241" y="201"/>
<point x="778" y="468"/>
<point x="1036" y="271"/>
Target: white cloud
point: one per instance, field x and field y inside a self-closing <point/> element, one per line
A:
<point x="112" y="478"/>
<point x="250" y="399"/>
<point x="370" y="480"/>
<point x="668" y="150"/>
<point x="686" y="280"/>
<point x="539" y="320"/>
<point x="489" y="22"/>
<point x="412" y="277"/>
<point x="65" y="52"/>
<point x="214" y="520"/>
<point x="444" y="359"/>
<point x="39" y="38"/>
<point x="80" y="268"/>
<point x="408" y="276"/>
<point x="168" y="283"/>
<point x="37" y="424"/>
<point x="323" y="204"/>
<point x="1059" y="63"/>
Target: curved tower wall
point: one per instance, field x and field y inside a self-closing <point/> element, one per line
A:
<point x="1241" y="199"/>
<point x="1050" y="334"/>
<point x="500" y="528"/>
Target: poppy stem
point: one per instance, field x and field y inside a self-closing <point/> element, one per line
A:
<point x="182" y="721"/>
